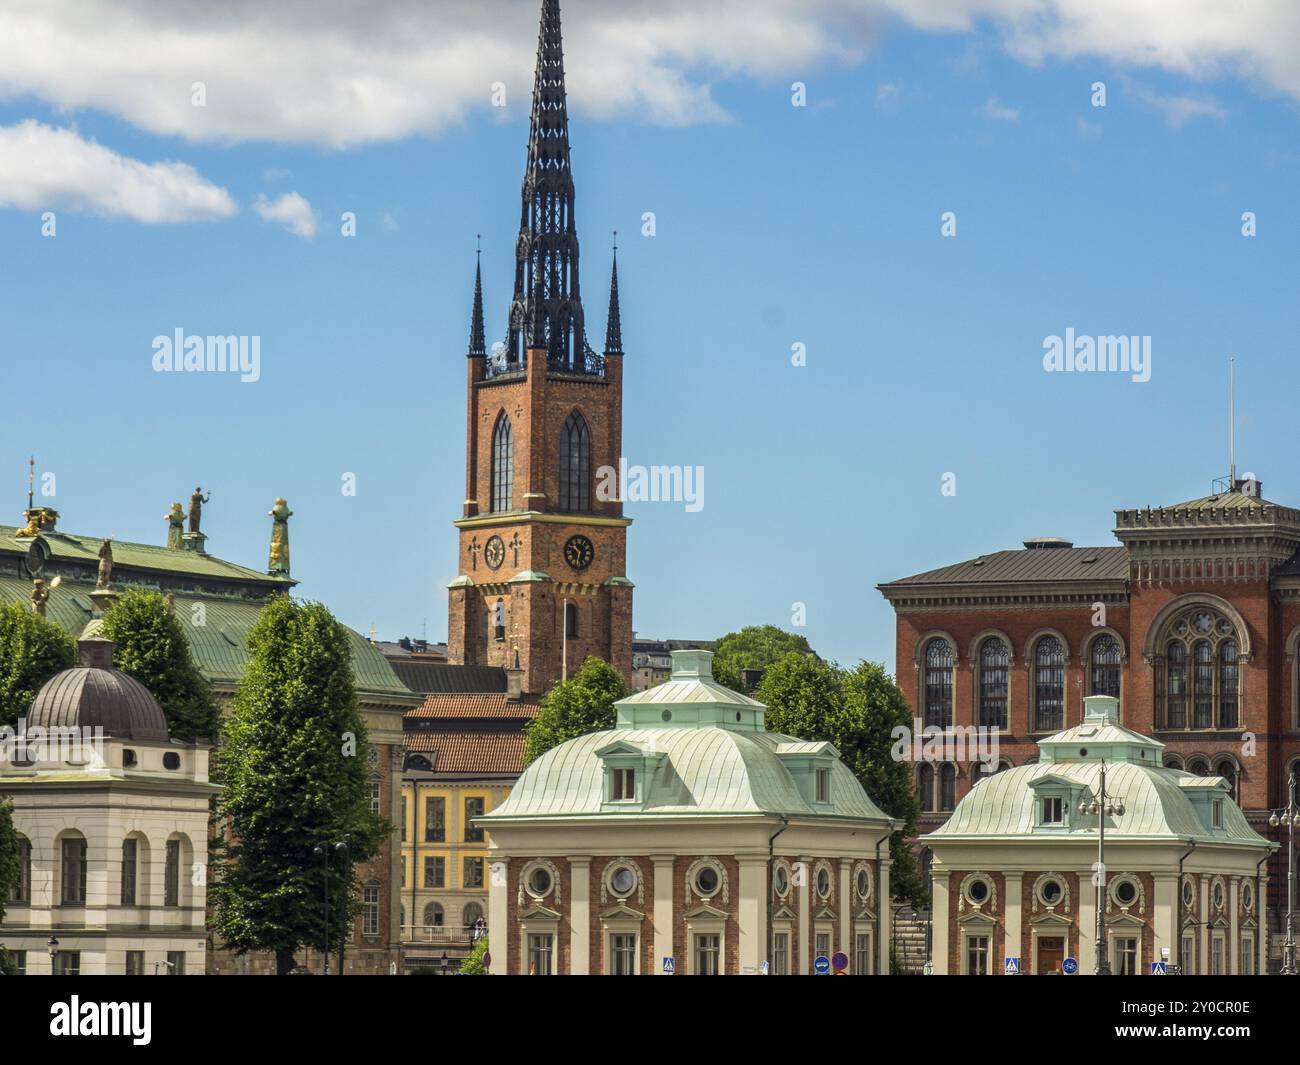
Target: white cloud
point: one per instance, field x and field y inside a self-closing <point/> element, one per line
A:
<point x="290" y="210"/>
<point x="351" y="74"/>
<point x="996" y="111"/>
<point x="47" y="168"/>
<point x="1177" y="109"/>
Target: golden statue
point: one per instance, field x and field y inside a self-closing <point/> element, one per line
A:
<point x="279" y="561"/>
<point x="175" y="526"/>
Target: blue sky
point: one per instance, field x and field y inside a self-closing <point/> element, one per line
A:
<point x="775" y="225"/>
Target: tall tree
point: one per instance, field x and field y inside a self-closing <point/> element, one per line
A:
<point x="856" y="710"/>
<point x="753" y="647"/>
<point x="32" y="650"/>
<point x="574" y="707"/>
<point x="9" y="870"/>
<point x="152" y="647"/>
<point x="295" y="779"/>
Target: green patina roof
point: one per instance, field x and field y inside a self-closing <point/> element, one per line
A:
<point x="232" y="597"/>
<point x="701" y="759"/>
<point x="1159" y="803"/>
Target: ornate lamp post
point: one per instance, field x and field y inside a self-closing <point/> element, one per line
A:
<point x="1289" y="817"/>
<point x="323" y="853"/>
<point x="1101" y="808"/>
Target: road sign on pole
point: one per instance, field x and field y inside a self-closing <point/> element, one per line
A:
<point x="839" y="961"/>
<point x="1012" y="967"/>
<point x="1069" y="966"/>
<point x="670" y="965"/>
<point x="822" y="965"/>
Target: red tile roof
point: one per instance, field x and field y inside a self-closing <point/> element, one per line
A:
<point x="470" y="751"/>
<point x="474" y="704"/>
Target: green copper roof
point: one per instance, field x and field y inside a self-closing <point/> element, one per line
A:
<point x="692" y="757"/>
<point x="1159" y="803"/>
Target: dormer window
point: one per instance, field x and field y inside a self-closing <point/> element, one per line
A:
<point x="823" y="785"/>
<point x="622" y="785"/>
<point x="1218" y="813"/>
<point x="1053" y="810"/>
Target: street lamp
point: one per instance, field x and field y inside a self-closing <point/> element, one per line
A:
<point x="323" y="853"/>
<point x="1101" y="808"/>
<point x="52" y="945"/>
<point x="1289" y="817"/>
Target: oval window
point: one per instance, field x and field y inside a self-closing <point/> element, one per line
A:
<point x="707" y="880"/>
<point x="978" y="891"/>
<point x="539" y="881"/>
<point x="623" y="880"/>
<point x="1126" y="892"/>
<point x="864" y="884"/>
<point x="1051" y="892"/>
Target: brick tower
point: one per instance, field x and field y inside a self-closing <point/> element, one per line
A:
<point x="542" y="581"/>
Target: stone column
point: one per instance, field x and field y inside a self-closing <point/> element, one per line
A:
<point x="1204" y="918"/>
<point x="1165" y="918"/>
<point x="1088" y="928"/>
<point x="938" y="921"/>
<point x="803" y="964"/>
<point x="663" y="911"/>
<point x="752" y="907"/>
<point x="886" y="911"/>
<point x="502" y="937"/>
<point x="1233" y="947"/>
<point x="1012" y="916"/>
<point x="580" y="916"/>
<point x="846" y="900"/>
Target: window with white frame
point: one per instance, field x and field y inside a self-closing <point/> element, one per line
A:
<point x="862" y="954"/>
<point x="1126" y="956"/>
<point x="541" y="950"/>
<point x="622" y="954"/>
<point x="781" y="954"/>
<point x="622" y="785"/>
<point x="977" y="955"/>
<point x="708" y="952"/>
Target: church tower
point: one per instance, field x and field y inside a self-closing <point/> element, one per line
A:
<point x="543" y="581"/>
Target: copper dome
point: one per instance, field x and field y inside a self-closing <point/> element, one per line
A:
<point x="95" y="695"/>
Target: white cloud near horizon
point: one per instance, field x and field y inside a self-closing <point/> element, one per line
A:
<point x="51" y="168"/>
<point x="995" y="110"/>
<point x="291" y="210"/>
<point x="339" y="74"/>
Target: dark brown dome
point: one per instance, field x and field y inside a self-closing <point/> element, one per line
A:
<point x="94" y="695"/>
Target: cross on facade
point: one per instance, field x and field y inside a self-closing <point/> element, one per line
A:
<point x="515" y="544"/>
<point x="473" y="553"/>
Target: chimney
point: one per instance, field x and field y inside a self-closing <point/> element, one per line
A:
<point x="514" y="684"/>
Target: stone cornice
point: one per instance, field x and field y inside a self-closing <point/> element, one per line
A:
<point x="517" y="517"/>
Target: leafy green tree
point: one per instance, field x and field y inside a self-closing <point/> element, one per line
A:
<point x="295" y="779"/>
<point x="32" y="650"/>
<point x="152" y="648"/>
<point x="9" y="870"/>
<point x="473" y="963"/>
<point x="856" y="710"/>
<point x="575" y="707"/>
<point x="753" y="647"/>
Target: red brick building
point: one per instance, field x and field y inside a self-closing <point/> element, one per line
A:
<point x="543" y="581"/>
<point x="1193" y="622"/>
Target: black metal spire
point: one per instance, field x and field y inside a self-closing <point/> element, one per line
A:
<point x="477" y="342"/>
<point x="613" y="324"/>
<point x="547" y="308"/>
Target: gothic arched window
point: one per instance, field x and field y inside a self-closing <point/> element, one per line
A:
<point x="499" y="619"/>
<point x="1199" y="672"/>
<point x="503" y="464"/>
<point x="1104" y="665"/>
<point x="570" y="620"/>
<point x="925" y="785"/>
<point x="995" y="662"/>
<point x="1049" y="685"/>
<point x="938" y="683"/>
<point x="575" y="464"/>
<point x="947" y="786"/>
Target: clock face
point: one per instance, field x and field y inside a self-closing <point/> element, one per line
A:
<point x="495" y="553"/>
<point x="578" y="552"/>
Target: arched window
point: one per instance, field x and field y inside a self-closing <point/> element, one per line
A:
<point x="1049" y="685"/>
<point x="503" y="464"/>
<point x="938" y="683"/>
<point x="1228" y="771"/>
<point x="1198" y="767"/>
<point x="575" y="464"/>
<point x="925" y="785"/>
<point x="1104" y="665"/>
<point x="499" y="619"/>
<point x="472" y="912"/>
<point x="433" y="915"/>
<point x="1200" y="668"/>
<point x="995" y="663"/>
<point x="570" y="620"/>
<point x="20" y="892"/>
<point x="947" y="786"/>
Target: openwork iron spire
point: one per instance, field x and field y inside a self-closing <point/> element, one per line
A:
<point x="477" y="341"/>
<point x="613" y="324"/>
<point x="547" y="308"/>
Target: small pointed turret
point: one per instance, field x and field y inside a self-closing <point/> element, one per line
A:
<point x="613" y="324"/>
<point x="477" y="341"/>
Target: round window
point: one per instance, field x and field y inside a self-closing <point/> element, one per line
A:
<point x="623" y="880"/>
<point x="863" y="884"/>
<point x="707" y="880"/>
<point x="1051" y="892"/>
<point x="1126" y="892"/>
<point x="823" y="882"/>
<point x="978" y="891"/>
<point x="539" y="881"/>
<point x="781" y="880"/>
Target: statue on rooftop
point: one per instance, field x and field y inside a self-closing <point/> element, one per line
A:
<point x="175" y="526"/>
<point x="105" y="566"/>
<point x="280" y="514"/>
<point x="40" y="596"/>
<point x="196" y="508"/>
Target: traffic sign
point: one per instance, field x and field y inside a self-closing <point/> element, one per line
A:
<point x="763" y="969"/>
<point x="1012" y="967"/>
<point x="822" y="965"/>
<point x="670" y="965"/>
<point x="1069" y="966"/>
<point x="1158" y="968"/>
<point x="839" y="961"/>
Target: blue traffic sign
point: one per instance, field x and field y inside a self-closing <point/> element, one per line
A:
<point x="1012" y="967"/>
<point x="670" y="965"/>
<point x="1158" y="968"/>
<point x="1069" y="966"/>
<point x="821" y="965"/>
<point x="840" y="961"/>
